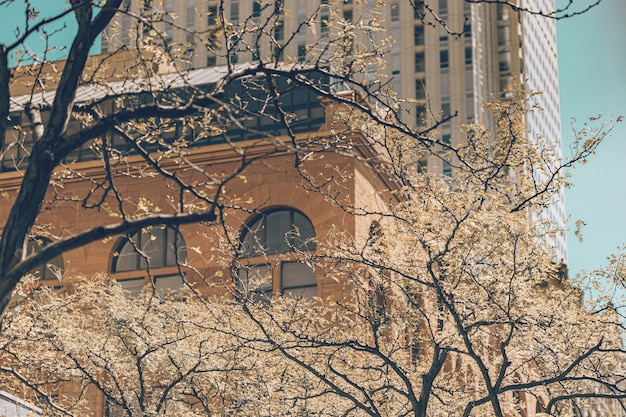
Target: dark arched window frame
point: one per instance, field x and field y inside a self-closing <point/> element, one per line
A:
<point x="53" y="268"/>
<point x="153" y="255"/>
<point x="271" y="255"/>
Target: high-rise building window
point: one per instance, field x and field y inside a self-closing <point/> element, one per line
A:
<point x="324" y="18"/>
<point x="467" y="30"/>
<point x="504" y="35"/>
<point x="445" y="84"/>
<point x="301" y="52"/>
<point x="234" y="10"/>
<point x="420" y="62"/>
<point x="212" y="15"/>
<point x="191" y="20"/>
<point x="421" y="115"/>
<point x="168" y="18"/>
<point x="446" y="169"/>
<point x="418" y="35"/>
<point x="279" y="31"/>
<point x="443" y="59"/>
<point x="469" y="106"/>
<point x="468" y="55"/>
<point x="395" y="11"/>
<point x="420" y="88"/>
<point x="504" y="61"/>
<point x="256" y="9"/>
<point x="502" y="11"/>
<point x="445" y="109"/>
<point x="126" y="23"/>
<point x="418" y="10"/>
<point x="443" y="34"/>
<point x="443" y="6"/>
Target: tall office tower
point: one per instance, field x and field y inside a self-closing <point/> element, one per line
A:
<point x="449" y="56"/>
<point x="540" y="73"/>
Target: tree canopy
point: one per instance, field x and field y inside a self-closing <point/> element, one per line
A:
<point x="451" y="301"/>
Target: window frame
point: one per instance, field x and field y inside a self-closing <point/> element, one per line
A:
<point x="275" y="260"/>
<point x="172" y="264"/>
<point x="34" y="245"/>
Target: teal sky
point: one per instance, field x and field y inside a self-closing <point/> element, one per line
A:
<point x="61" y="32"/>
<point x="592" y="72"/>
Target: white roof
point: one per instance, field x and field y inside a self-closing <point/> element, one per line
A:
<point x="164" y="82"/>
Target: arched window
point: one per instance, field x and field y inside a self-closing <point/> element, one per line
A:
<point x="53" y="269"/>
<point x="272" y="249"/>
<point x="159" y="250"/>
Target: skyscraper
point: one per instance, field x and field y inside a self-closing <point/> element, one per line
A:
<point x="447" y="56"/>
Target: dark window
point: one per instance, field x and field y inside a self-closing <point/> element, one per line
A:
<point x="443" y="59"/>
<point x="421" y="115"/>
<point x="212" y="16"/>
<point x="446" y="170"/>
<point x="301" y="52"/>
<point x="395" y="11"/>
<point x="279" y="31"/>
<point x="256" y="9"/>
<point x="504" y="36"/>
<point x="151" y="248"/>
<point x="419" y="35"/>
<point x="298" y="280"/>
<point x="255" y="281"/>
<point x="324" y="24"/>
<point x="502" y="12"/>
<point x="234" y="10"/>
<point x="420" y="88"/>
<point x="418" y="10"/>
<point x="278" y="231"/>
<point x="53" y="269"/>
<point x="420" y="62"/>
<point x="443" y="6"/>
<point x="467" y="30"/>
<point x="281" y="231"/>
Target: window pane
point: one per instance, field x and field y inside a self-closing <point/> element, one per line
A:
<point x="252" y="243"/>
<point x="298" y="278"/>
<point x="133" y="286"/>
<point x="304" y="234"/>
<point x="127" y="258"/>
<point x="304" y="292"/>
<point x="419" y="35"/>
<point x="53" y="268"/>
<point x="420" y="88"/>
<point x="445" y="85"/>
<point x="153" y="246"/>
<point x="255" y="278"/>
<point x="420" y="62"/>
<point x="277" y="224"/>
<point x="167" y="284"/>
<point x="255" y="282"/>
<point x="175" y="246"/>
<point x="234" y="10"/>
<point x="443" y="59"/>
<point x="157" y="244"/>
